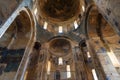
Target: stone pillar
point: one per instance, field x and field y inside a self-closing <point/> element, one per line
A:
<point x="82" y="70"/>
<point x="95" y="61"/>
<point x="109" y="69"/>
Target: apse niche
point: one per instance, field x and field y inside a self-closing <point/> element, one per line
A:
<point x="60" y="47"/>
<point x="13" y="45"/>
<point x="52" y="61"/>
<point x="61" y="60"/>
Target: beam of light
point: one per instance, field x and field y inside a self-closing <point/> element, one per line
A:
<point x="83" y="8"/>
<point x="60" y="29"/>
<point x="88" y="55"/>
<point x="35" y="11"/>
<point x="113" y="59"/>
<point x="45" y="25"/>
<point x="68" y="71"/>
<point x="48" y="67"/>
<point x="94" y="74"/>
<point x="75" y="24"/>
<point x="60" y="61"/>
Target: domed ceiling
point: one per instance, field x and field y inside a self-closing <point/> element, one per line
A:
<point x="60" y="47"/>
<point x="59" y="13"/>
<point x="59" y="10"/>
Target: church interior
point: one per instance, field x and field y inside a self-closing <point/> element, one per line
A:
<point x="59" y="40"/>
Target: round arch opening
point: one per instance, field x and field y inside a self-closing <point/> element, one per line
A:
<point x="14" y="44"/>
<point x="102" y="37"/>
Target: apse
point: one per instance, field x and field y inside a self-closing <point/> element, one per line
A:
<point x="60" y="47"/>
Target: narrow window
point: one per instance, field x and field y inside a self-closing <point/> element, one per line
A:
<point x="83" y="8"/>
<point x="88" y="55"/>
<point x="75" y="24"/>
<point x="68" y="71"/>
<point x="60" y="61"/>
<point x="60" y="29"/>
<point x="45" y="25"/>
<point x="94" y="74"/>
<point x="48" y="67"/>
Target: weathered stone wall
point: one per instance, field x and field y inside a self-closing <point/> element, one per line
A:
<point x="6" y="9"/>
<point x="110" y="70"/>
<point x="9" y="9"/>
<point x="110" y="9"/>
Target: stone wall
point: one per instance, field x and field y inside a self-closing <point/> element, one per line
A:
<point x="110" y="10"/>
<point x="6" y="9"/>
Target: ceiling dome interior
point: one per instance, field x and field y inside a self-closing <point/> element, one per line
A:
<point x="60" y="10"/>
<point x="60" y="47"/>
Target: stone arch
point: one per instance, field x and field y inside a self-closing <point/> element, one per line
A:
<point x="101" y="37"/>
<point x="21" y="34"/>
